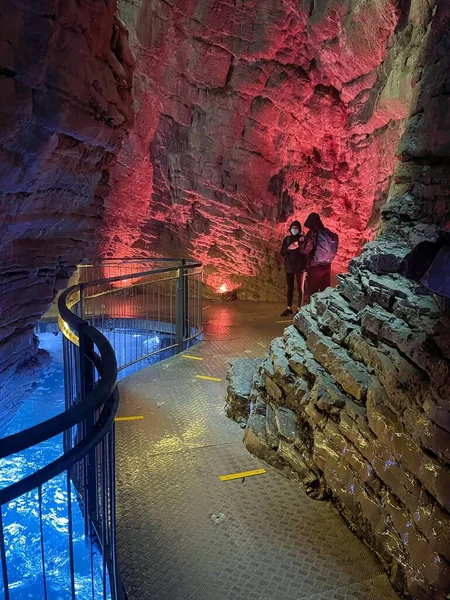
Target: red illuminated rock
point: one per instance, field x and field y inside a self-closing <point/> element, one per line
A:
<point x="252" y="114"/>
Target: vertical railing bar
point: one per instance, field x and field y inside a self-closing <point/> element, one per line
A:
<point x="104" y="475"/>
<point x="91" y="555"/>
<point x="200" y="301"/>
<point x="185" y="300"/>
<point x="159" y="304"/>
<point x="70" y="526"/>
<point x="81" y="303"/>
<point x="3" y="557"/>
<point x="172" y="301"/>
<point x="179" y="308"/>
<point x="44" y="576"/>
<point x="103" y="521"/>
<point x="122" y="321"/>
<point x="112" y="470"/>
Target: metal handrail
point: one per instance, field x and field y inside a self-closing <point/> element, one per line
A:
<point x="92" y="407"/>
<point x="190" y="265"/>
<point x="68" y="459"/>
<point x="37" y="434"/>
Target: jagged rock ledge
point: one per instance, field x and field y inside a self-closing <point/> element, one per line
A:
<point x="353" y="400"/>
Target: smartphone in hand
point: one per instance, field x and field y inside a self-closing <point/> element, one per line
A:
<point x="293" y="246"/>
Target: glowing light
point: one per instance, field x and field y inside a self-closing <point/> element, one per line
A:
<point x="223" y="288"/>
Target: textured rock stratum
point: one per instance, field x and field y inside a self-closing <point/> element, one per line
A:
<point x="239" y="388"/>
<point x="250" y="114"/>
<point x="354" y="398"/>
<point x="65" y="89"/>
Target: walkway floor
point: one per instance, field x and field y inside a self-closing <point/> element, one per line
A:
<point x="185" y="535"/>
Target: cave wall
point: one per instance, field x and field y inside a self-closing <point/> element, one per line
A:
<point x="65" y="104"/>
<point x="250" y="114"/>
<point x="354" y="398"/>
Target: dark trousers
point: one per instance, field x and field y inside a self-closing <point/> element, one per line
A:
<point x="290" y="278"/>
<point x="317" y="279"/>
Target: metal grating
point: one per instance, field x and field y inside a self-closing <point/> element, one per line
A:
<point x="185" y="535"/>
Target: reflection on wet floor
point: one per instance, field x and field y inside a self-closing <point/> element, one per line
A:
<point x="185" y="535"/>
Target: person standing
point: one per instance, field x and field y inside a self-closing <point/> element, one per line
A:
<point x="294" y="264"/>
<point x="320" y="248"/>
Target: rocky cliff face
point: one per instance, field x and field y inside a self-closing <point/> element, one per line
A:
<point x="65" y="77"/>
<point x="250" y="114"/>
<point x="353" y="398"/>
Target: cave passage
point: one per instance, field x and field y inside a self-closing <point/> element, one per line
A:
<point x="138" y="131"/>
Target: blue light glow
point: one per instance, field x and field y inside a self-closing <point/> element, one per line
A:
<point x="21" y="516"/>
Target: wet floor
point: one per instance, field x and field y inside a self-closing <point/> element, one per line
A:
<point x="185" y="535"/>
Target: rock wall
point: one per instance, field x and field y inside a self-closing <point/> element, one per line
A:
<point x="250" y="114"/>
<point x="354" y="398"/>
<point x="65" y="104"/>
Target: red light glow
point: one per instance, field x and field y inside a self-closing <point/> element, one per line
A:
<point x="302" y="143"/>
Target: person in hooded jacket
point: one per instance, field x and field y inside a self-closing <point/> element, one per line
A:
<point x="320" y="247"/>
<point x="294" y="264"/>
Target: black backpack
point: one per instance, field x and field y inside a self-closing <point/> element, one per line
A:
<point x="326" y="246"/>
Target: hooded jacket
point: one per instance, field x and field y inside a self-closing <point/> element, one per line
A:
<point x="320" y="245"/>
<point x="294" y="260"/>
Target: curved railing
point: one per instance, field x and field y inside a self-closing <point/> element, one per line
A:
<point x="144" y="307"/>
<point x="97" y="316"/>
<point x="86" y="462"/>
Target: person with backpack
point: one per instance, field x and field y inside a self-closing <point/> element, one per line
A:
<point x="294" y="264"/>
<point x="320" y="247"/>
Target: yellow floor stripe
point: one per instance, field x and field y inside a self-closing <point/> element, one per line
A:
<point x="137" y="418"/>
<point x="208" y="378"/>
<point x="289" y="321"/>
<point x="241" y="475"/>
<point x="193" y="357"/>
<point x="205" y="307"/>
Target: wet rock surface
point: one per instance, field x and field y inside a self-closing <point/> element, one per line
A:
<point x="382" y="455"/>
<point x="240" y="377"/>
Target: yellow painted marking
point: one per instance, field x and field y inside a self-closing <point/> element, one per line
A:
<point x="205" y="307"/>
<point x="193" y="357"/>
<point x="289" y="321"/>
<point x="137" y="418"/>
<point x="241" y="475"/>
<point x="64" y="327"/>
<point x="208" y="378"/>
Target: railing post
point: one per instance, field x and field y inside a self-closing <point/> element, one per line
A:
<point x="87" y="385"/>
<point x="180" y="309"/>
<point x="186" y="304"/>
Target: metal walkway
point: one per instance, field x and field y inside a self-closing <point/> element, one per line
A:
<point x="185" y="535"/>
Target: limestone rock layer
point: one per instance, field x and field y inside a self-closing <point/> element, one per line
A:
<point x="65" y="78"/>
<point x="250" y="114"/>
<point x="354" y="401"/>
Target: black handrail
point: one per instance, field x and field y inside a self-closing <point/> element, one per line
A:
<point x="18" y="442"/>
<point x="104" y="261"/>
<point x="100" y="407"/>
<point x="91" y="409"/>
<point x="190" y="265"/>
<point x="101" y="428"/>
